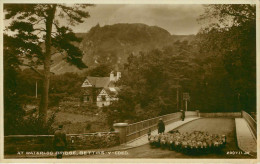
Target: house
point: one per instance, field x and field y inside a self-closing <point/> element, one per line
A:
<point x="100" y="90"/>
<point x="107" y="96"/>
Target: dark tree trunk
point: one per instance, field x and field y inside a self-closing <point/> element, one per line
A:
<point x="47" y="64"/>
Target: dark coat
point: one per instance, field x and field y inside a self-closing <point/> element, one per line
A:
<point x="60" y="139"/>
<point x="183" y="113"/>
<point x="161" y="127"/>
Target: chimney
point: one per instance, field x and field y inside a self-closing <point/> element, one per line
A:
<point x="112" y="78"/>
<point x="118" y="75"/>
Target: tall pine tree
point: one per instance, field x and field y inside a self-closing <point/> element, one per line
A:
<point x="42" y="30"/>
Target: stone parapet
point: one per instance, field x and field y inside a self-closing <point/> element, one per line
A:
<point x="15" y="143"/>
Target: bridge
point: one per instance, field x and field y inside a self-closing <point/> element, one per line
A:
<point x="239" y="127"/>
<point x="134" y="135"/>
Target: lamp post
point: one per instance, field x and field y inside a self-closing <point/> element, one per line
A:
<point x="186" y="97"/>
<point x="177" y="86"/>
<point x="177" y="96"/>
<point x="36" y="86"/>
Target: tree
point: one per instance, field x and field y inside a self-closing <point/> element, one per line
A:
<point x="230" y="40"/>
<point x="11" y="99"/>
<point x="42" y="30"/>
<point x="101" y="70"/>
<point x="149" y="81"/>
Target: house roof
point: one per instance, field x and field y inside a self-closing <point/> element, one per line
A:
<point x="98" y="82"/>
<point x="112" y="91"/>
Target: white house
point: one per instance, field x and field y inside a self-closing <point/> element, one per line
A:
<point x="100" y="90"/>
<point x="107" y="96"/>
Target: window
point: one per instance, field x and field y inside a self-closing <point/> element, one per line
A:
<point x="103" y="98"/>
<point x="86" y="99"/>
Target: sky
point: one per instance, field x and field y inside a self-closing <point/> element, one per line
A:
<point x="175" y="18"/>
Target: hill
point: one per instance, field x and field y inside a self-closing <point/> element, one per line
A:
<point x="111" y="44"/>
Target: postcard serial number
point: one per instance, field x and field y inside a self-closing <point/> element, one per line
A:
<point x="236" y="152"/>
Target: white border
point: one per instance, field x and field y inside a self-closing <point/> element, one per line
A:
<point x="69" y="160"/>
<point x="138" y="1"/>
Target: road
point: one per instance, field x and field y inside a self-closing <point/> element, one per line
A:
<point x="212" y="125"/>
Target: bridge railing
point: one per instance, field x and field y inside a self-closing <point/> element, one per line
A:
<point x="251" y="122"/>
<point x="138" y="129"/>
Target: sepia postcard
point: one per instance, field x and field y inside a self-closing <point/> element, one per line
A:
<point x="129" y="81"/>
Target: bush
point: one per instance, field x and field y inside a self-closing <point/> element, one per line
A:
<point x="31" y="125"/>
<point x="88" y="127"/>
<point x="55" y="99"/>
<point x="44" y="143"/>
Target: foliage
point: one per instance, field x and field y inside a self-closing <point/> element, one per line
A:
<point x="55" y="98"/>
<point x="27" y="82"/>
<point x="28" y="22"/>
<point x="150" y="80"/>
<point x="218" y="69"/>
<point x="31" y="125"/>
<point x="88" y="127"/>
<point x="101" y="70"/>
<point x="68" y="83"/>
<point x="13" y="112"/>
<point x="44" y="143"/>
<point x="62" y="85"/>
<point x="111" y="44"/>
<point x="42" y="30"/>
<point x="19" y="90"/>
<point x="230" y="46"/>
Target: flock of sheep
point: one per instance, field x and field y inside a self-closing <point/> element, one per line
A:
<point x="194" y="142"/>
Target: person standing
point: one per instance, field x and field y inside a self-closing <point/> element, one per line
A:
<point x="60" y="141"/>
<point x="182" y="115"/>
<point x="149" y="134"/>
<point x="161" y="126"/>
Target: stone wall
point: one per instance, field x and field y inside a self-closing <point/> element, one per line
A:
<point x="191" y="113"/>
<point x="251" y="122"/>
<point x="227" y="114"/>
<point x="15" y="143"/>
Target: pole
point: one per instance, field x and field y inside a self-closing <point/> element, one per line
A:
<point x="177" y="98"/>
<point x="36" y="89"/>
<point x="186" y="105"/>
<point x="182" y="102"/>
